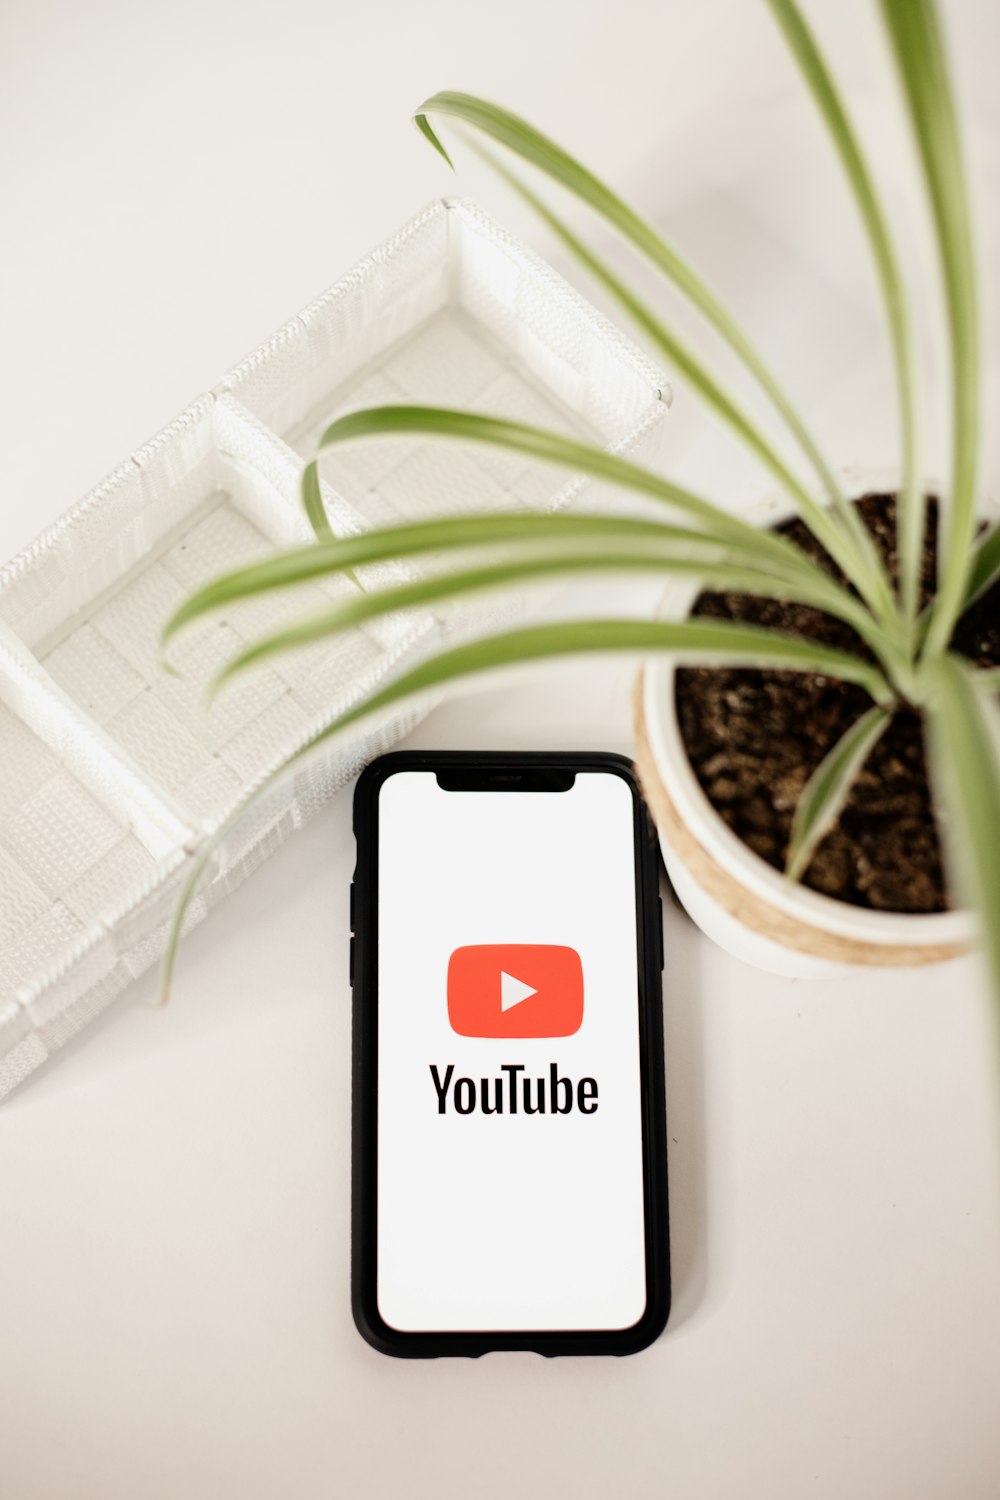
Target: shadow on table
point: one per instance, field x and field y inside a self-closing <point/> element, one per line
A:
<point x="683" y="1020"/>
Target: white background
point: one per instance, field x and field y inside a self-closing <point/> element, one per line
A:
<point x="504" y="1221"/>
<point x="174" y="1258"/>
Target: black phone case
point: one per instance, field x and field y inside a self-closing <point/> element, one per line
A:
<point x="364" y="981"/>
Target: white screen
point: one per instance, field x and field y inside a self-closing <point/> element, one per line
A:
<point x="508" y="1221"/>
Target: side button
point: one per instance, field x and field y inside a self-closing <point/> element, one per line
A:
<point x="352" y="905"/>
<point x="350" y="962"/>
<point x="659" y="903"/>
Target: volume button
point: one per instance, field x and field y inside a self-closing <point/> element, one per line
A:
<point x="350" y="961"/>
<point x="659" y="904"/>
<point x="352" y="905"/>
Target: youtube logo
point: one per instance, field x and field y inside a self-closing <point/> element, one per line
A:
<point x="515" y="990"/>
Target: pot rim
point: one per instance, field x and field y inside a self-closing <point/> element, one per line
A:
<point x="718" y="839"/>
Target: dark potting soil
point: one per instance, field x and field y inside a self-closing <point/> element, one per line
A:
<point x="755" y="737"/>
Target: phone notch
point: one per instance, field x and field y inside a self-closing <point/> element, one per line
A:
<point x="505" y="779"/>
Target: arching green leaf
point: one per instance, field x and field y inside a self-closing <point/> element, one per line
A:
<point x="443" y="588"/>
<point x="913" y="30"/>
<point x="964" y="755"/>
<point x="551" y="447"/>
<point x="827" y="96"/>
<point x="828" y="788"/>
<point x="688" y="640"/>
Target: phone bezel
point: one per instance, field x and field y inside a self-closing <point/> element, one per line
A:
<point x="364" y="970"/>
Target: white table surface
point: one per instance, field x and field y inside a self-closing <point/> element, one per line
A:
<point x="174" y="1312"/>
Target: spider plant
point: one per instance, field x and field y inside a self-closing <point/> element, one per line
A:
<point x="907" y="661"/>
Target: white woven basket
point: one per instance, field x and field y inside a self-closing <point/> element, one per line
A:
<point x="111" y="773"/>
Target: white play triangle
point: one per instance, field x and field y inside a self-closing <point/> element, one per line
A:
<point x="513" y="991"/>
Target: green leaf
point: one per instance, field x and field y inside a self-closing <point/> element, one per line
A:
<point x="426" y="129"/>
<point x="448" y="586"/>
<point x="550" y="447"/>
<point x="985" y="569"/>
<point x="518" y="530"/>
<point x="803" y="46"/>
<point x="964" y="755"/>
<point x="312" y="501"/>
<point x="913" y="31"/>
<point x="827" y="789"/>
<point x="848" y="542"/>
<point x="553" y="448"/>
<point x="688" y="640"/>
<point x="693" y="640"/>
<point x="518" y="136"/>
<point x="184" y="898"/>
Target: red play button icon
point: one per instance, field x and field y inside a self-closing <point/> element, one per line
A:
<point x="515" y="990"/>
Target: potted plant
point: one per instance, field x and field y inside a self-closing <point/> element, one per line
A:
<point x="806" y="659"/>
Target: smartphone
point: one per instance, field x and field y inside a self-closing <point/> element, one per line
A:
<point x="509" y="1153"/>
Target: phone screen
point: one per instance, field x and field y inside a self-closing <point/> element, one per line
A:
<point x="510" y="1189"/>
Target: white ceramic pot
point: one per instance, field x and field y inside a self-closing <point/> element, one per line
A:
<point x="738" y="899"/>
